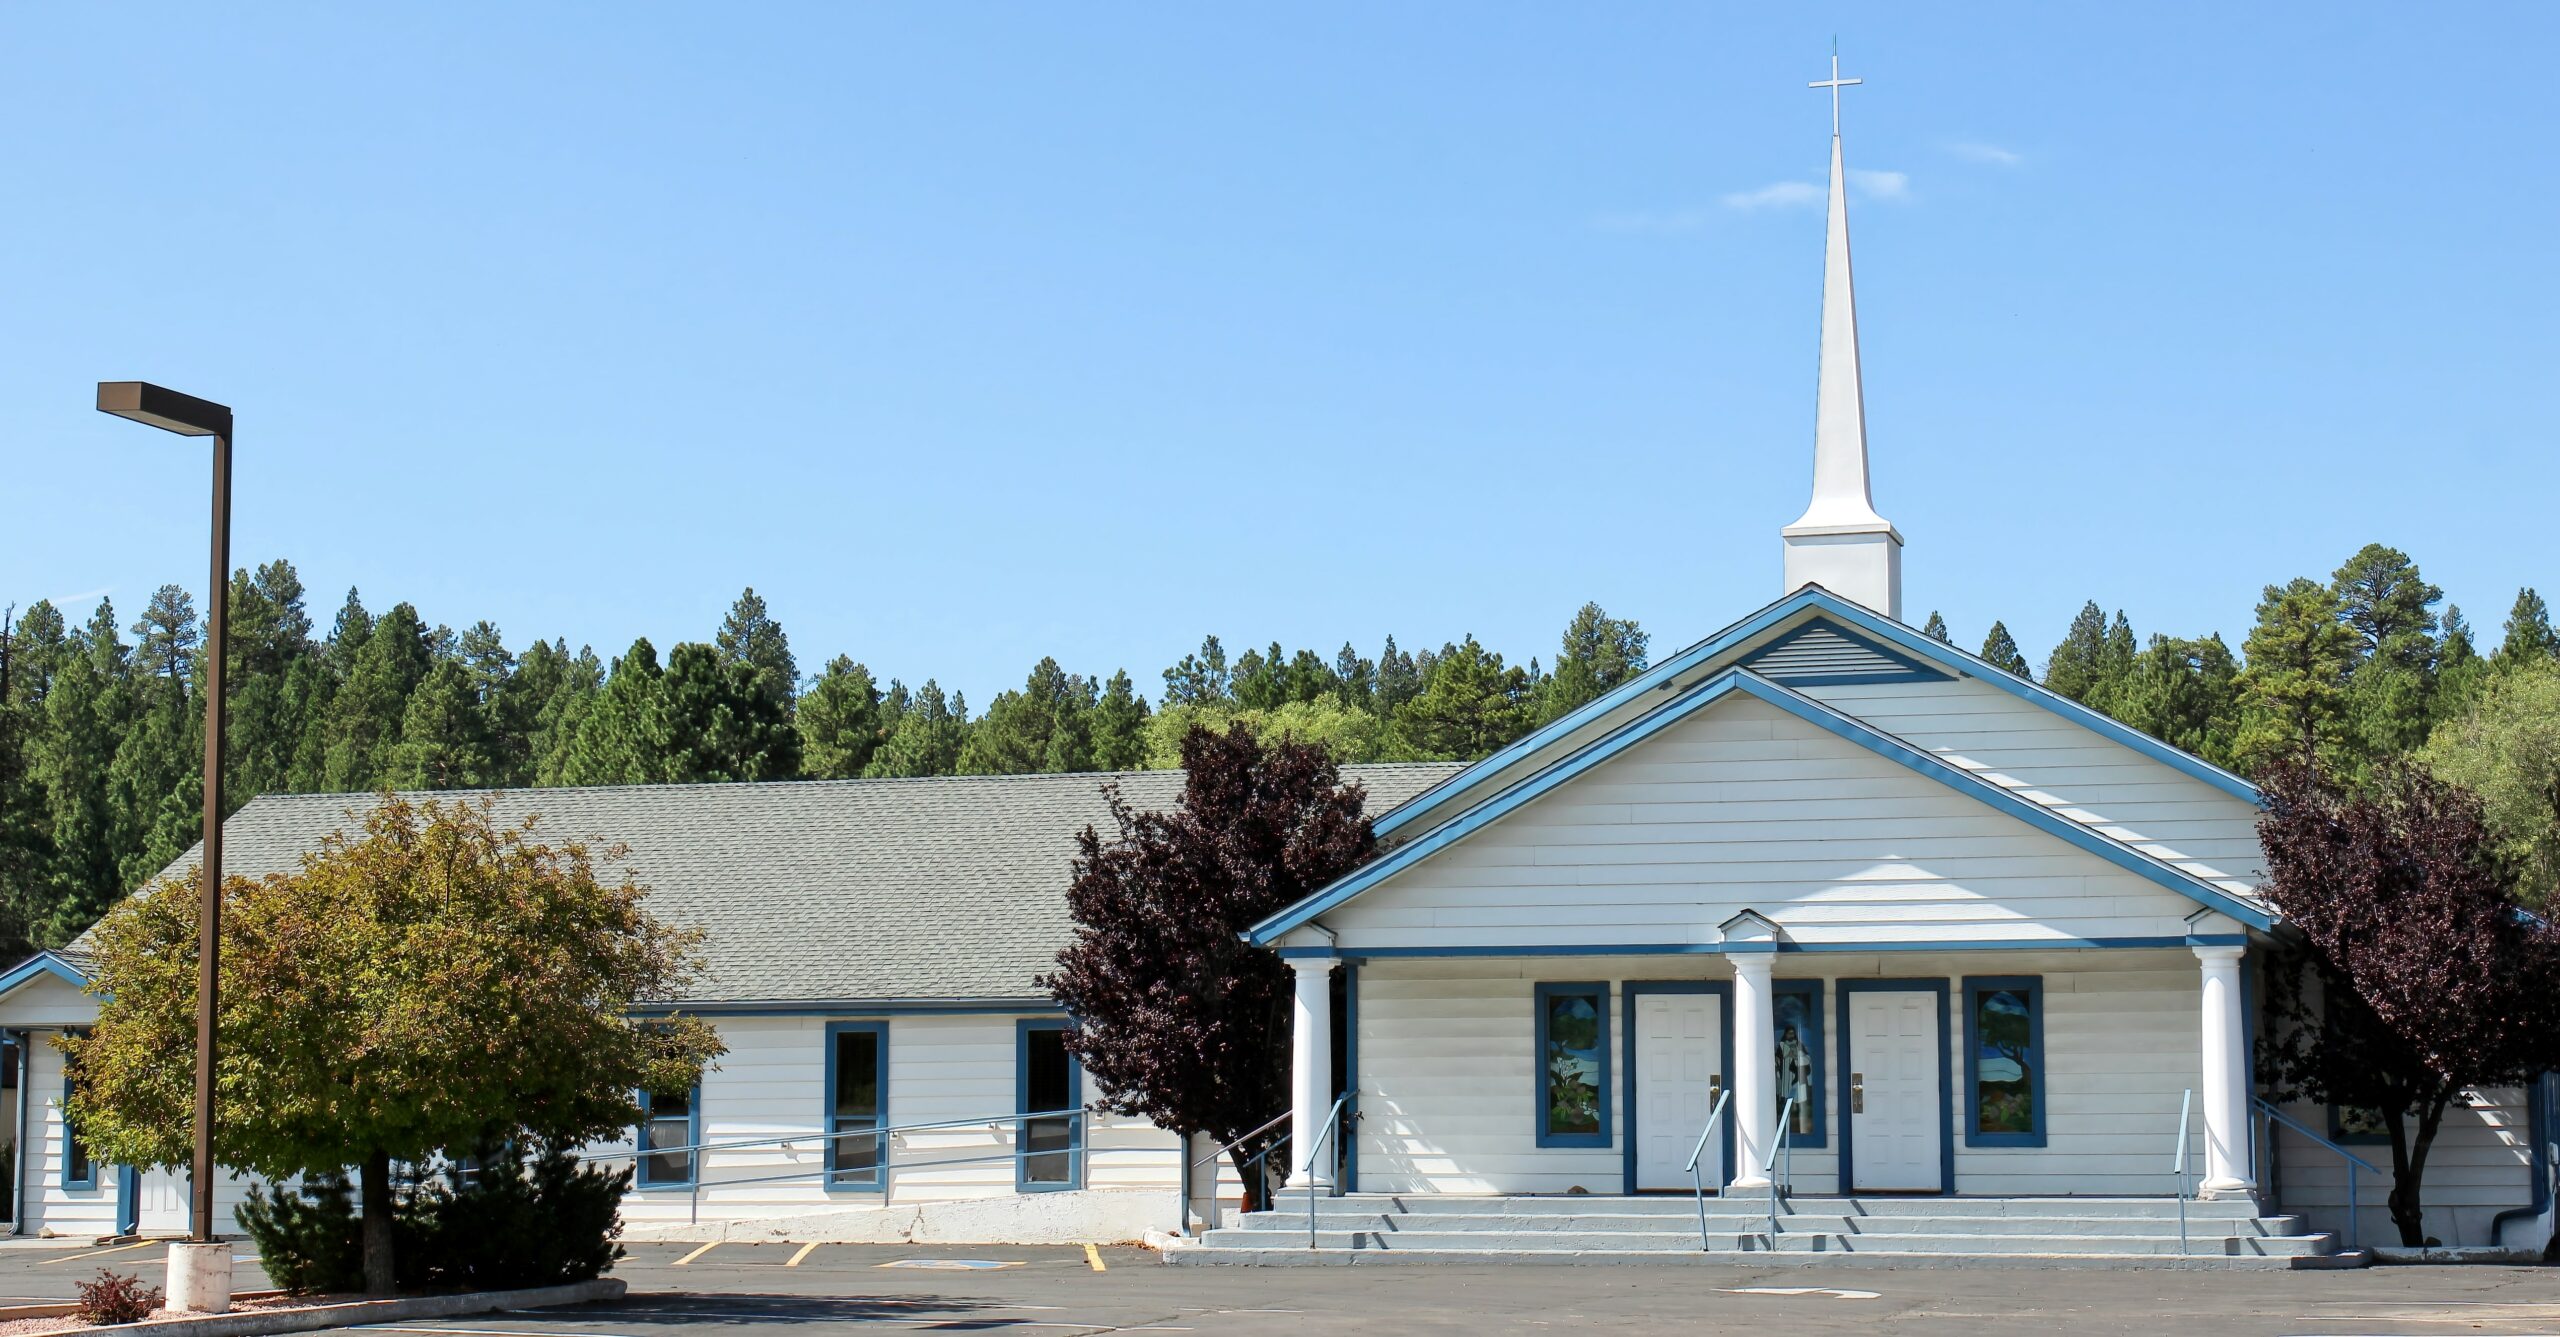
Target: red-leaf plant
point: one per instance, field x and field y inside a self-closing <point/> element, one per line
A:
<point x="2411" y="972"/>
<point x="1176" y="1019"/>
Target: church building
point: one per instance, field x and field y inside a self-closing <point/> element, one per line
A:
<point x="1819" y="938"/>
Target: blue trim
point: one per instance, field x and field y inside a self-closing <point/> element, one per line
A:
<point x="128" y="1200"/>
<point x="1349" y="1135"/>
<point x="829" y="1177"/>
<point x="71" y="1149"/>
<point x="1795" y="948"/>
<point x="2032" y="986"/>
<point x="1628" y="993"/>
<point x="1911" y="670"/>
<point x="1022" y="1182"/>
<point x="640" y="1177"/>
<point x="859" y="1007"/>
<point x="1813" y="712"/>
<point x="1811" y="990"/>
<point x="1814" y="599"/>
<point x="1848" y="1063"/>
<point x="43" y="963"/>
<point x="1538" y="1062"/>
<point x="2537" y="1123"/>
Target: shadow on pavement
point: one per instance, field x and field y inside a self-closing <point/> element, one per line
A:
<point x="963" y="1312"/>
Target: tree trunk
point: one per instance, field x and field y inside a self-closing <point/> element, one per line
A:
<point x="2409" y="1170"/>
<point x="380" y="1275"/>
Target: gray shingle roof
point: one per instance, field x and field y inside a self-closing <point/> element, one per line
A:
<point x="830" y="890"/>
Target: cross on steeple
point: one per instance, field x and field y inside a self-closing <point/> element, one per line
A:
<point x="1835" y="83"/>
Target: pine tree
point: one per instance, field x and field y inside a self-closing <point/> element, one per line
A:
<point x="1358" y="676"/>
<point x="347" y="635"/>
<point x="2390" y="606"/>
<point x="750" y="636"/>
<point x="2184" y="693"/>
<point x="1199" y="677"/>
<point x="155" y="784"/>
<point x="1937" y="627"/>
<point x="2076" y="667"/>
<point x="166" y="634"/>
<point x="2460" y="669"/>
<point x="1599" y="653"/>
<point x="270" y="640"/>
<point x="444" y="735"/>
<point x="565" y="703"/>
<point x="927" y="739"/>
<point x="38" y="649"/>
<point x="2002" y="651"/>
<point x="621" y="734"/>
<point x="1399" y="680"/>
<point x="364" y="718"/>
<point x="74" y="749"/>
<point x="26" y="847"/>
<point x="1119" y="726"/>
<point x="722" y="721"/>
<point x="1469" y="705"/>
<point x="2529" y="638"/>
<point x="1041" y="728"/>
<point x="2293" y="692"/>
<point x="839" y="721"/>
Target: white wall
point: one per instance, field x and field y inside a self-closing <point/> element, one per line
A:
<point x="51" y="1209"/>
<point x="2479" y="1166"/>
<point x="1447" y="1069"/>
<point x="1745" y="806"/>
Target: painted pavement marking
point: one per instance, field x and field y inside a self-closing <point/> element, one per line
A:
<point x="1093" y="1258"/>
<point x="695" y="1254"/>
<point x="952" y="1264"/>
<point x="1835" y="1292"/>
<point x="805" y="1251"/>
<point x="99" y="1253"/>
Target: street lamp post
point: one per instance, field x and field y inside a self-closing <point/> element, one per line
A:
<point x="200" y="1269"/>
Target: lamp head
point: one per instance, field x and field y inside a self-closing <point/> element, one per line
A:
<point x="165" y="409"/>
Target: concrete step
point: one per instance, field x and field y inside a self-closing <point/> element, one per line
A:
<point x="1305" y="1257"/>
<point x="1798" y="1222"/>
<point x="1682" y="1204"/>
<point x="1817" y="1242"/>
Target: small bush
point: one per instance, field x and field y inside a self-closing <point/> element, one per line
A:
<point x="308" y="1241"/>
<point x="117" y="1298"/>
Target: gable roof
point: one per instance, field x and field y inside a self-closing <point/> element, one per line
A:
<point x="70" y="969"/>
<point x="1761" y="631"/>
<point x="945" y="890"/>
<point x="1699" y="696"/>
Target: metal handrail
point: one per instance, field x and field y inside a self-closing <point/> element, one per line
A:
<point x="1256" y="1131"/>
<point x="1786" y="1145"/>
<point x="786" y="1140"/>
<point x="1697" y="1182"/>
<point x="2278" y="1116"/>
<point x="1332" y="1120"/>
<point x="2186" y="1105"/>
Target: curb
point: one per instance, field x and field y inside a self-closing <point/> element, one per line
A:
<point x="254" y="1323"/>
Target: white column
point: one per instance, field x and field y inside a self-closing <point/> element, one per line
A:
<point x="1755" y="1069"/>
<point x="1311" y="1072"/>
<point x="2225" y="1095"/>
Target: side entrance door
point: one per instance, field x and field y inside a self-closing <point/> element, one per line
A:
<point x="159" y="1201"/>
<point x="1679" y="1072"/>
<point x="1897" y="1104"/>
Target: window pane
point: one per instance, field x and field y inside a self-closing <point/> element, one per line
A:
<point x="1799" y="1029"/>
<point x="2004" y="1061"/>
<point x="857" y="1074"/>
<point x="1047" y="1060"/>
<point x="670" y="1126"/>
<point x="1573" y="1063"/>
<point x="1048" y="1084"/>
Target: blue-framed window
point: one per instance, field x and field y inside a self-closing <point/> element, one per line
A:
<point x="1049" y="1152"/>
<point x="1798" y="1025"/>
<point x="857" y="1105"/>
<point x="2004" y="1061"/>
<point x="1573" y="1065"/>
<point x="78" y="1171"/>
<point x="670" y="1127"/>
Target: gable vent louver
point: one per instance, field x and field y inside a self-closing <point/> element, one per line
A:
<point x="1822" y="653"/>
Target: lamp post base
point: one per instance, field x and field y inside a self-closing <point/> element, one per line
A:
<point x="200" y="1278"/>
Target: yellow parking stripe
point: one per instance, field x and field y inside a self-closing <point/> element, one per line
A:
<point x="695" y="1254"/>
<point x="1093" y="1257"/>
<point x="805" y="1251"/>
<point x="101" y="1253"/>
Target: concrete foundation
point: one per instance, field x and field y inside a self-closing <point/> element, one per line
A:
<point x="200" y="1278"/>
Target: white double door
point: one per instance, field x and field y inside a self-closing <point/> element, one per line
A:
<point x="1897" y="1097"/>
<point x="1679" y="1055"/>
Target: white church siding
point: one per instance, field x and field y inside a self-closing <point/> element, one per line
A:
<point x="1448" y="1069"/>
<point x="1746" y="806"/>
<point x="2481" y="1165"/>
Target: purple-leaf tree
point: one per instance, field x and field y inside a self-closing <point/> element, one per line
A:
<point x="2417" y="975"/>
<point x="1176" y="1019"/>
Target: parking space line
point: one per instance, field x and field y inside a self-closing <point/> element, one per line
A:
<point x="99" y="1253"/>
<point x="805" y="1251"/>
<point x="695" y="1254"/>
<point x="1093" y="1258"/>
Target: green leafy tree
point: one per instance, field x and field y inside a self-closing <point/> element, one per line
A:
<point x="720" y="722"/>
<point x="839" y="721"/>
<point x="1600" y="652"/>
<point x="2293" y="692"/>
<point x="1937" y="627"/>
<point x="1469" y="705"/>
<point x="2506" y="748"/>
<point x="435" y="981"/>
<point x="2001" y="649"/>
<point x="2529" y="637"/>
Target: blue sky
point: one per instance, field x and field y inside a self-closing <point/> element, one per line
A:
<point x="968" y="335"/>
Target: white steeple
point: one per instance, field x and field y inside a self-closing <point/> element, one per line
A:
<point x="1840" y="543"/>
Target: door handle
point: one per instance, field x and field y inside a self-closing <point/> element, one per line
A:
<point x="1715" y="1088"/>
<point x="1857" y="1093"/>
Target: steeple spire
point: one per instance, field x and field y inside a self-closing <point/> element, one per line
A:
<point x="1840" y="542"/>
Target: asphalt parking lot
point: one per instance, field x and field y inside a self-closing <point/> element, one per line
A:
<point x="689" y="1291"/>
